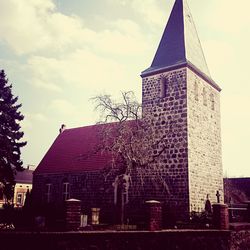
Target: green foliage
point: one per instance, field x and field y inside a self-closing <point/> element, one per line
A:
<point x="10" y="136"/>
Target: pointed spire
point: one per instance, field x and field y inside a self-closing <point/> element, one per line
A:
<point x="180" y="43"/>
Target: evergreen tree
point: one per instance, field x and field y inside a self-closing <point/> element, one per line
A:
<point x="10" y="136"/>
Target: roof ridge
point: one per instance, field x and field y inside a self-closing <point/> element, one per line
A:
<point x="95" y="125"/>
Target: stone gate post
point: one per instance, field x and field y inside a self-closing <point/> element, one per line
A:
<point x="73" y="214"/>
<point x="154" y="215"/>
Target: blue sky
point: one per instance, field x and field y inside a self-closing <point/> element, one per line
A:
<point x="60" y="53"/>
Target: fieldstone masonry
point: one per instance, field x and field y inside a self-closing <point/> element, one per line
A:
<point x="204" y="142"/>
<point x="189" y="115"/>
<point x="169" y="115"/>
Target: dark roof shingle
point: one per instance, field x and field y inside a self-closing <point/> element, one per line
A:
<point x="75" y="150"/>
<point x="24" y="176"/>
<point x="180" y="43"/>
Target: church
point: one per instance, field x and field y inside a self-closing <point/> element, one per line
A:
<point x="178" y="91"/>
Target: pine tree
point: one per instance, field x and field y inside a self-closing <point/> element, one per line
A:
<point x="10" y="136"/>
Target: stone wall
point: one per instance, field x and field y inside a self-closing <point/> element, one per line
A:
<point x="168" y="109"/>
<point x="204" y="142"/>
<point x="160" y="240"/>
<point x="188" y="113"/>
<point x="240" y="240"/>
<point x="93" y="191"/>
<point x="89" y="187"/>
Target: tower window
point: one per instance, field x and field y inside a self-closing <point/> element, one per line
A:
<point x="196" y="91"/>
<point x="163" y="87"/>
<point x="212" y="101"/>
<point x="204" y="96"/>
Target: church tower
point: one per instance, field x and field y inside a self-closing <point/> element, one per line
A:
<point x="178" y="92"/>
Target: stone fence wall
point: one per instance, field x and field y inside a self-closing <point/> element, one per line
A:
<point x="111" y="240"/>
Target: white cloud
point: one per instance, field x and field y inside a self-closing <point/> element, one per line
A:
<point x="149" y="10"/>
<point x="30" y="26"/>
<point x="231" y="16"/>
<point x="45" y="84"/>
<point x="63" y="107"/>
<point x="61" y="51"/>
<point x="82" y="69"/>
<point x="32" y="118"/>
<point x="69" y="113"/>
<point x="217" y="53"/>
<point x="21" y="24"/>
<point x="26" y="124"/>
<point x="124" y="38"/>
<point x="40" y="117"/>
<point x="42" y="74"/>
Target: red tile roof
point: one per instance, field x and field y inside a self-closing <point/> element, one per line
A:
<point x="75" y="150"/>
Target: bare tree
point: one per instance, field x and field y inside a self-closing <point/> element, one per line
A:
<point x="131" y="140"/>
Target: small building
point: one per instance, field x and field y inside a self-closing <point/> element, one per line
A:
<point x="23" y="181"/>
<point x="23" y="185"/>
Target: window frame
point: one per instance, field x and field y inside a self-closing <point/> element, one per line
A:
<point x="163" y="87"/>
<point x="66" y="191"/>
<point x="19" y="203"/>
<point x="48" y="192"/>
<point x="204" y="93"/>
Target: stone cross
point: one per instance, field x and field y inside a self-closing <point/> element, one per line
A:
<point x="218" y="196"/>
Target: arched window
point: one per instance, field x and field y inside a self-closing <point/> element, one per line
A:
<point x="65" y="191"/>
<point x="212" y="101"/>
<point x="121" y="187"/>
<point x="163" y="87"/>
<point x="204" y="93"/>
<point x="196" y="91"/>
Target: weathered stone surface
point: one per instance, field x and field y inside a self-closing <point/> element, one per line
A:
<point x="189" y="115"/>
<point x="204" y="142"/>
<point x="169" y="114"/>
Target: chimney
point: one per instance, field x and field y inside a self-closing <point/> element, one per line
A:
<point x="63" y="127"/>
<point x="30" y="166"/>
